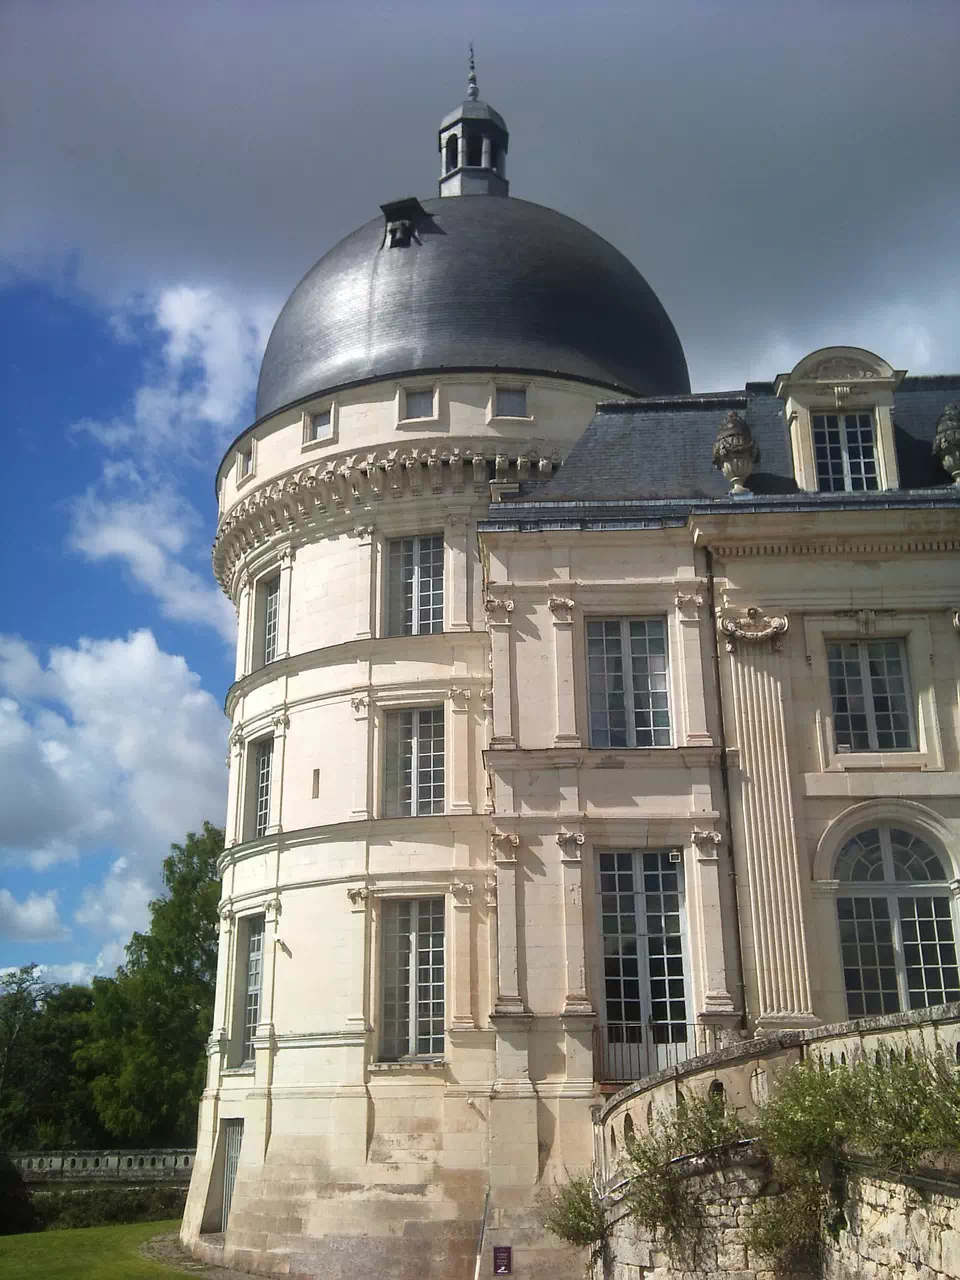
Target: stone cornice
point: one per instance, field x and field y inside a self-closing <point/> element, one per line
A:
<point x="341" y="487"/>
<point x="835" y="547"/>
<point x="522" y="758"/>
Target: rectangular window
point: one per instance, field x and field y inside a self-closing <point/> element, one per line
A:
<point x="413" y="770"/>
<point x="254" y="984"/>
<point x="899" y="959"/>
<point x="263" y="769"/>
<point x="415" y="586"/>
<point x="644" y="977"/>
<point x="418" y="404"/>
<point x="870" y="695"/>
<point x="244" y="462"/>
<point x="627" y="679"/>
<point x="319" y="426"/>
<point x="511" y="402"/>
<point x="270" y="618"/>
<point x="411" y="978"/>
<point x="845" y="451"/>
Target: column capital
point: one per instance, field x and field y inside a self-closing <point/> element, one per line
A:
<point x="688" y="604"/>
<point x="562" y="608"/>
<point x="358" y="896"/>
<point x="570" y="842"/>
<point x="503" y="845"/>
<point x="498" y="610"/>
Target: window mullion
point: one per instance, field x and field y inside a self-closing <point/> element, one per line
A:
<point x="415" y="590"/>
<point x="845" y="453"/>
<point x="628" y="700"/>
<point x="414" y="763"/>
<point x="414" y="975"/>
<point x="868" y="707"/>
<point x="901" y="959"/>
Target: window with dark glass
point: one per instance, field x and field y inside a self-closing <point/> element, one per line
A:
<point x="414" y="765"/>
<point x="262" y="779"/>
<point x="418" y="404"/>
<point x="411" y="978"/>
<point x="870" y="694"/>
<point x="253" y="977"/>
<point x="415" y="585"/>
<point x="845" y="451"/>
<point x="474" y="152"/>
<point x="511" y="402"/>
<point x="270" y="618"/>
<point x="450" y="153"/>
<point x="895" y="917"/>
<point x="627" y="682"/>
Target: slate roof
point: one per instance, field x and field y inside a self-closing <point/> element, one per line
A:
<point x="659" y="449"/>
<point x="487" y="283"/>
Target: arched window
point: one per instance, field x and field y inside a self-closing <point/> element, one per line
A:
<point x="450" y="154"/>
<point x="896" y="924"/>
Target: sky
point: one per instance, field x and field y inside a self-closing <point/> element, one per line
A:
<point x="785" y="175"/>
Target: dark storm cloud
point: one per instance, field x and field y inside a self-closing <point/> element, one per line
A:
<point x="785" y="175"/>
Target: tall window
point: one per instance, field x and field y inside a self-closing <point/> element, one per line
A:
<point x="245" y="462"/>
<point x="254" y="985"/>
<point x="414" y="762"/>
<point x="627" y="676"/>
<point x="411" y="978"/>
<point x="845" y="451"/>
<point x="262" y="777"/>
<point x="270" y="618"/>
<point x="870" y="695"/>
<point x="644" y="973"/>
<point x="896" y="926"/>
<point x="418" y="404"/>
<point x="415" y="585"/>
<point x="319" y="426"/>
<point x="511" y="402"/>
<point x="450" y="153"/>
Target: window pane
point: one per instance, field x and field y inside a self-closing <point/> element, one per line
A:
<point x="511" y="402"/>
<point x="608" y="720"/>
<point x="867" y="954"/>
<point x="648" y="657"/>
<point x="430" y="760"/>
<point x="254" y="974"/>
<point x="271" y="617"/>
<point x="929" y="951"/>
<point x="861" y="858"/>
<point x="888" y="687"/>
<point x="262" y="777"/>
<point x="415" y="585"/>
<point x="319" y="427"/>
<point x="412" y="978"/>
<point x="862" y="463"/>
<point x="913" y="859"/>
<point x="850" y="724"/>
<point x="844" y="450"/>
<point x="398" y="764"/>
<point x="828" y="451"/>
<point x="418" y="404"/>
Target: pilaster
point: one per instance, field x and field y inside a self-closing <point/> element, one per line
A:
<point x="461" y="954"/>
<point x="689" y="607"/>
<point x="576" y="1000"/>
<point x="285" y="558"/>
<point x="358" y="1013"/>
<point x="716" y="998"/>
<point x="562" y="608"/>
<point x="498" y="611"/>
<point x="235" y="788"/>
<point x="773" y="888"/>
<point x="503" y="846"/>
<point x="244" y="624"/>
<point x="362" y="805"/>
<point x="365" y="535"/>
<point x="459" y="801"/>
<point x="281" y="723"/>
<point x="457" y="574"/>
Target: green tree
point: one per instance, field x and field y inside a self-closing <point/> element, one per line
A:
<point x="145" y="1056"/>
<point x="22" y="994"/>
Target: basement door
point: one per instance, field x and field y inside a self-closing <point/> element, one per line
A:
<point x="645" y="977"/>
<point x="232" y="1138"/>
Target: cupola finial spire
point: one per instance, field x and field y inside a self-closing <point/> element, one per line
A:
<point x="473" y="92"/>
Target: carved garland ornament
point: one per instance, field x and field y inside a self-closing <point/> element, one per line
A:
<point x="753" y="627"/>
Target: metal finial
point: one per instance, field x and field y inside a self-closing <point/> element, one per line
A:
<point x="472" y="91"/>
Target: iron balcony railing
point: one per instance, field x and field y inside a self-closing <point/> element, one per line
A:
<point x="625" y="1051"/>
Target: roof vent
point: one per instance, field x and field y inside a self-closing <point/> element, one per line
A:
<point x="401" y="219"/>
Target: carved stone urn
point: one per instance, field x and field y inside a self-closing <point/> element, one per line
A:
<point x="946" y="443"/>
<point x="735" y="452"/>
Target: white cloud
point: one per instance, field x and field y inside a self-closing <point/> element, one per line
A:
<point x="34" y="920"/>
<point x="149" y="530"/>
<point x="118" y="904"/>
<point x="111" y="743"/>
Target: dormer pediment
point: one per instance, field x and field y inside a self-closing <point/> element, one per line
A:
<point x="831" y="367"/>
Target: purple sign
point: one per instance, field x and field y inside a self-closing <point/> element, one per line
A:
<point x="502" y="1260"/>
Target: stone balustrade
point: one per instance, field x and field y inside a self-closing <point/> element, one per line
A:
<point x="145" y="1164"/>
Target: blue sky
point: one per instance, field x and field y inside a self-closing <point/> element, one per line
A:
<point x="785" y="176"/>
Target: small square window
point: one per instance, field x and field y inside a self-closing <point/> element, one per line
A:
<point x="511" y="402"/>
<point x="318" y="426"/>
<point x="418" y="404"/>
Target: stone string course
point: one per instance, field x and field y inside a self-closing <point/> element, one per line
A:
<point x="894" y="1232"/>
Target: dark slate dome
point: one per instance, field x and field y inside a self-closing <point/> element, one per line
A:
<point x="485" y="283"/>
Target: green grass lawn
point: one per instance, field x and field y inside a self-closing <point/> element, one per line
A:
<point x="91" y="1253"/>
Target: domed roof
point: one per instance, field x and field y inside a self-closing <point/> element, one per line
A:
<point x="485" y="283"/>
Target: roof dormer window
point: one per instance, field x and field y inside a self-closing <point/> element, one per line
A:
<point x="844" y="447"/>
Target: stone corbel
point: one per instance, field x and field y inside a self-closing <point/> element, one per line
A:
<point x="706" y="843"/>
<point x="490" y="891"/>
<point x="235" y="741"/>
<point x="227" y="918"/>
<point x="281" y="722"/>
<point x="272" y="908"/>
<point x="498" y="610"/>
<point x="503" y="845"/>
<point x="462" y="891"/>
<point x="287" y="554"/>
<point x="570" y="842"/>
<point x="459" y="696"/>
<point x="360" y="705"/>
<point x="562" y="607"/>
<point x="688" y="605"/>
<point x="362" y="531"/>
<point x="358" y="896"/>
<point x="752" y="626"/>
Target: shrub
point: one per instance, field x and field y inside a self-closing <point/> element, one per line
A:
<point x="102" y="1206"/>
<point x="574" y="1212"/>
